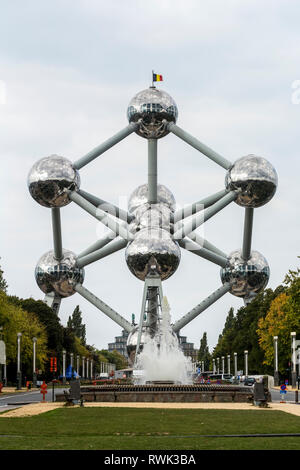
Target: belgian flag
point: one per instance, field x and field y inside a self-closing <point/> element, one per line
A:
<point x="157" y="78"/>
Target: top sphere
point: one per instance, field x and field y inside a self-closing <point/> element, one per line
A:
<point x="256" y="179"/>
<point x="49" y="178"/>
<point x="152" y="106"/>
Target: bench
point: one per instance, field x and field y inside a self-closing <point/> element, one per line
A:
<point x="74" y="396"/>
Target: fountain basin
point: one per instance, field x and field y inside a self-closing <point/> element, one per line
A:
<point x="166" y="393"/>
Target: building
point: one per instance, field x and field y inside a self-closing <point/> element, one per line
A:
<point x="120" y="342"/>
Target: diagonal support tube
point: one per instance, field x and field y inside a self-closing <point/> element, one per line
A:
<point x="112" y="247"/>
<point x="116" y="317"/>
<point x="56" y="229"/>
<point x="108" y="207"/>
<point x="192" y="314"/>
<point x="197" y="220"/>
<point x="247" y="237"/>
<point x="189" y="139"/>
<point x="96" y="152"/>
<point x="192" y="209"/>
<point x="101" y="215"/>
<point x="203" y="252"/>
<point x="206" y="244"/>
<point x="98" y="244"/>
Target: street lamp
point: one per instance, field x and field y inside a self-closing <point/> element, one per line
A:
<point x="218" y="365"/>
<point x="19" y="373"/>
<point x="276" y="374"/>
<point x="246" y="363"/>
<point x="235" y="364"/>
<point x="34" y="362"/>
<point x="223" y="365"/>
<point x="228" y="363"/>
<point x="214" y="366"/>
<point x="64" y="366"/>
<point x="83" y="364"/>
<point x="294" y="374"/>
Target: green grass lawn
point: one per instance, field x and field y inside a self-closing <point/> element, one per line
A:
<point x="149" y="429"/>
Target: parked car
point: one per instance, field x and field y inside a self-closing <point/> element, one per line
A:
<point x="249" y="381"/>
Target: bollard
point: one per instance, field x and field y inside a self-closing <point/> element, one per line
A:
<point x="296" y="396"/>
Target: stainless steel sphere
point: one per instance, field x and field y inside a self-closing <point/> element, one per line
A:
<point x="152" y="107"/>
<point x="152" y="250"/>
<point x="154" y="215"/>
<point x="49" y="178"/>
<point x="59" y="276"/>
<point x="256" y="179"/>
<point x="139" y="197"/>
<point x="247" y="277"/>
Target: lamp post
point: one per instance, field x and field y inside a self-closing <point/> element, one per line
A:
<point x="92" y="369"/>
<point x="87" y="368"/>
<point x="214" y="366"/>
<point x="34" y="340"/>
<point x="218" y="365"/>
<point x="276" y="374"/>
<point x="19" y="372"/>
<point x="83" y="364"/>
<point x="223" y="365"/>
<point x="77" y="365"/>
<point x="294" y="374"/>
<point x="64" y="366"/>
<point x="235" y="364"/>
<point x="228" y="363"/>
<point x="71" y="363"/>
<point x="246" y="363"/>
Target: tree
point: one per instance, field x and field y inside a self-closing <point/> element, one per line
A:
<point x="203" y="353"/>
<point x="75" y="324"/>
<point x="3" y="283"/>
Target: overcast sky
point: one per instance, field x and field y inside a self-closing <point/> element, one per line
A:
<point x="68" y="70"/>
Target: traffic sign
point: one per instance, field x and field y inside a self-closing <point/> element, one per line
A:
<point x="282" y="387"/>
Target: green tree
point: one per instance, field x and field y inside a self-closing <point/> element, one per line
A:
<point x="3" y="283"/>
<point x="203" y="353"/>
<point x="75" y="324"/>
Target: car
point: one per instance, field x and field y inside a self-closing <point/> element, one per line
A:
<point x="249" y="381"/>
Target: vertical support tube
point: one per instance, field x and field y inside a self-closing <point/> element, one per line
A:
<point x="247" y="237"/>
<point x="152" y="171"/>
<point x="56" y="228"/>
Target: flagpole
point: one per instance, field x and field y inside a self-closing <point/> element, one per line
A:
<point x="152" y="79"/>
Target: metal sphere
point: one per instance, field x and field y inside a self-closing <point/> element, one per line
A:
<point x="49" y="178"/>
<point x="256" y="179"/>
<point x="152" y="250"/>
<point x="153" y="215"/>
<point x="246" y="277"/>
<point x="139" y="198"/>
<point x="152" y="107"/>
<point x="59" y="276"/>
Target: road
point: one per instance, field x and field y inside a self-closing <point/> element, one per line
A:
<point x="18" y="399"/>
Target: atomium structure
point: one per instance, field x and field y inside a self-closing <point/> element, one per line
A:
<point x="152" y="231"/>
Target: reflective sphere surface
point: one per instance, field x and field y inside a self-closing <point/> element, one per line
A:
<point x="151" y="107"/>
<point x="154" y="215"/>
<point x="49" y="178"/>
<point x="59" y="276"/>
<point x="139" y="198"/>
<point x="255" y="177"/>
<point x="247" y="277"/>
<point x="152" y="250"/>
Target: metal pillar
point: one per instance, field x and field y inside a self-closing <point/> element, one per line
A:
<point x="87" y="368"/>
<point x="106" y="206"/>
<point x="203" y="252"/>
<point x="53" y="301"/>
<point x="83" y="368"/>
<point x="276" y="373"/>
<point x="77" y="364"/>
<point x="218" y="365"/>
<point x="56" y="229"/>
<point x="96" y="152"/>
<point x="19" y="372"/>
<point x="294" y="372"/>
<point x="247" y="237"/>
<point x="214" y="366"/>
<point x="223" y="365"/>
<point x="152" y="171"/>
<point x="195" y="207"/>
<point x="34" y="376"/>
